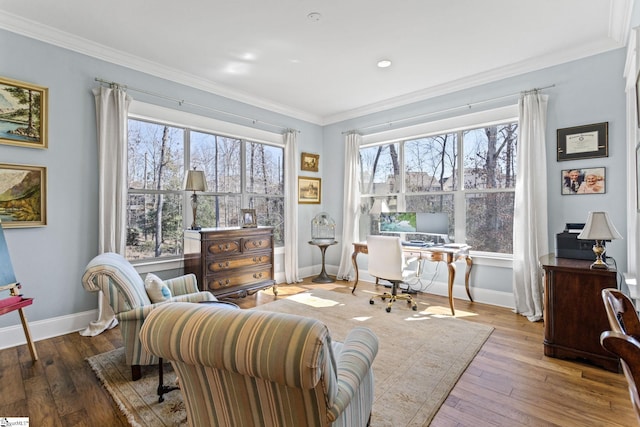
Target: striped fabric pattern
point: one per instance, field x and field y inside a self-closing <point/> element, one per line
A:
<point x="258" y="368"/>
<point x="124" y="288"/>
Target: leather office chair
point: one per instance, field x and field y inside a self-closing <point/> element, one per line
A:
<point x="260" y="368"/>
<point x="627" y="348"/>
<point x="386" y="262"/>
<point x="623" y="338"/>
<point x="621" y="312"/>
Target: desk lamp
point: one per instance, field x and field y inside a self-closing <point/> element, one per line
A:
<point x="194" y="181"/>
<point x="599" y="228"/>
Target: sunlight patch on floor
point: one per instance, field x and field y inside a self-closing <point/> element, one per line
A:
<point x="312" y="300"/>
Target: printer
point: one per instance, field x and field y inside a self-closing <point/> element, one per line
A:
<point x="569" y="246"/>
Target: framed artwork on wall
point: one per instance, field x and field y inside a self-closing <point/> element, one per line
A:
<point x="23" y="195"/>
<point x="309" y="162"/>
<point x="23" y="114"/>
<point x="583" y="142"/>
<point x="583" y="181"/>
<point x="309" y="190"/>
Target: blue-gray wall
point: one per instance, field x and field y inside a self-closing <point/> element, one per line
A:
<point x="49" y="260"/>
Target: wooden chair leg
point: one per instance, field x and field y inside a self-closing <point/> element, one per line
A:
<point x="27" y="334"/>
<point x="136" y="372"/>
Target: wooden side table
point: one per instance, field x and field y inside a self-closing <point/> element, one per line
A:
<point x="323" y="277"/>
<point x="574" y="314"/>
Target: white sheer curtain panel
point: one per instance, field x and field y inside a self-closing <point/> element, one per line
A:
<point x="530" y="240"/>
<point x="291" y="207"/>
<point x="351" y="204"/>
<point x="112" y="107"/>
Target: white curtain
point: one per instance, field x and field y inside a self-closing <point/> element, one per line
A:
<point x="351" y="204"/>
<point x="291" y="207"/>
<point x="112" y="107"/>
<point x="530" y="238"/>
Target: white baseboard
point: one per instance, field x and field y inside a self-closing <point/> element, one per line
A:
<point x="13" y="336"/>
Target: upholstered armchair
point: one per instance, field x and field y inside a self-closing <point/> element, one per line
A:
<point x="257" y="368"/>
<point x="125" y="290"/>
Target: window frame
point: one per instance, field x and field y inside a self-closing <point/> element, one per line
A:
<point x="193" y="122"/>
<point x="456" y="124"/>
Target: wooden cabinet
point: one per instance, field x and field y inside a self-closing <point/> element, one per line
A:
<point x="230" y="261"/>
<point x="574" y="314"/>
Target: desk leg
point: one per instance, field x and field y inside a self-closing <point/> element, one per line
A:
<point x="354" y="255"/>
<point x="452" y="276"/>
<point x="469" y="261"/>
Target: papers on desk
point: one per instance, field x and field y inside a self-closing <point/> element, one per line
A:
<point x="455" y="245"/>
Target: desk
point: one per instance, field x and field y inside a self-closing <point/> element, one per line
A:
<point x="323" y="277"/>
<point x="428" y="253"/>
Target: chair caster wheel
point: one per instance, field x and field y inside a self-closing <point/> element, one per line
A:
<point x="388" y="309"/>
<point x="371" y="301"/>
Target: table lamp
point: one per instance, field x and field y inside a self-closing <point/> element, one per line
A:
<point x="599" y="228"/>
<point x="194" y="181"/>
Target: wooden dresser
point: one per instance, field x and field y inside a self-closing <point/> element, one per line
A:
<point x="230" y="261"/>
<point x="574" y="314"/>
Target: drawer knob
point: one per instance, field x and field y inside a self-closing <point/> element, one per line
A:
<point x="224" y="247"/>
<point x="223" y="264"/>
<point x="257" y="243"/>
<point x="223" y="282"/>
<point x="257" y="275"/>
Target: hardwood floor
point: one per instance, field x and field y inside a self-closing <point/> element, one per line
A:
<point x="509" y="383"/>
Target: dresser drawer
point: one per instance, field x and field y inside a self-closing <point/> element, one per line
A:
<point x="256" y="243"/>
<point x="222" y="247"/>
<point x="222" y="281"/>
<point x="215" y="266"/>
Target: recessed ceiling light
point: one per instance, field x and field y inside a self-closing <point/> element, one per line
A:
<point x="384" y="63"/>
<point x="314" y="16"/>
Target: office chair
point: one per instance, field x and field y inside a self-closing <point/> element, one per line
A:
<point x="621" y="312"/>
<point x="386" y="262"/>
<point x="627" y="348"/>
<point x="15" y="301"/>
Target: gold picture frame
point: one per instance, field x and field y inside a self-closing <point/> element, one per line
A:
<point x="24" y="116"/>
<point x="309" y="162"/>
<point x="23" y="195"/>
<point x="309" y="190"/>
<point x="249" y="219"/>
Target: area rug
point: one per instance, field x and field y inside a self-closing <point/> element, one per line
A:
<point x="421" y="357"/>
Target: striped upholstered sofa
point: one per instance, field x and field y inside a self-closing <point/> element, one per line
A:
<point x="245" y="368"/>
<point x="123" y="287"/>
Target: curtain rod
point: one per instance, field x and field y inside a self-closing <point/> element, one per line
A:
<point x="182" y="102"/>
<point x="392" y="122"/>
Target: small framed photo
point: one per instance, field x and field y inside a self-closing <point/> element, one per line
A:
<point x="249" y="219"/>
<point x="583" y="181"/>
<point x="23" y="114"/>
<point x="309" y="162"/>
<point x="583" y="142"/>
<point x="24" y="191"/>
<point x="309" y="190"/>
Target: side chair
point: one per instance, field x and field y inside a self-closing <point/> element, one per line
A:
<point x="387" y="262"/>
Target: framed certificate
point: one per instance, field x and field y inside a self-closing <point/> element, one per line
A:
<point x="583" y="142"/>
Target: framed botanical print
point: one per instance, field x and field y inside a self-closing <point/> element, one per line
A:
<point x="23" y="114"/>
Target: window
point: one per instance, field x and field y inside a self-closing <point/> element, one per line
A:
<point x="468" y="173"/>
<point x="240" y="174"/>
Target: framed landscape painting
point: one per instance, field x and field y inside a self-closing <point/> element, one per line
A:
<point x="23" y="195"/>
<point x="23" y="114"/>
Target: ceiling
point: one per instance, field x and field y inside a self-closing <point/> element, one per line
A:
<point x="271" y="54"/>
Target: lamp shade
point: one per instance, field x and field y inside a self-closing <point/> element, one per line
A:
<point x="195" y="181"/>
<point x="599" y="227"/>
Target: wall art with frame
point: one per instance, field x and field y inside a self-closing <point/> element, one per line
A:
<point x="23" y="195"/>
<point x="584" y="181"/>
<point x="23" y="114"/>
<point x="249" y="219"/>
<point x="309" y="190"/>
<point x="583" y="142"/>
<point x="309" y="162"/>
